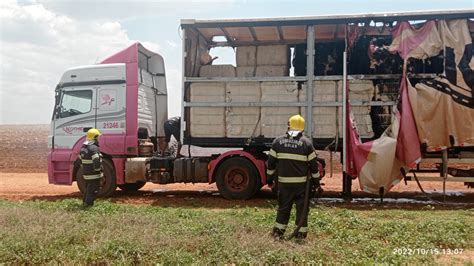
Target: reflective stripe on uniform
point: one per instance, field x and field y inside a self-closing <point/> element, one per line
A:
<point x="290" y="156"/>
<point x="303" y="230"/>
<point x="270" y="172"/>
<point x="312" y="156"/>
<point x="292" y="179"/>
<point x="88" y="177"/>
<point x="85" y="161"/>
<point x="273" y="153"/>
<point x="95" y="155"/>
<point x="280" y="226"/>
<point x="315" y="175"/>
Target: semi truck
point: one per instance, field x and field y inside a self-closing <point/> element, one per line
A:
<point x="283" y="66"/>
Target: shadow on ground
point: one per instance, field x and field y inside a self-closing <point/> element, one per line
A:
<point x="266" y="199"/>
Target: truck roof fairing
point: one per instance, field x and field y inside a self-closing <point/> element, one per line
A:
<point x="148" y="60"/>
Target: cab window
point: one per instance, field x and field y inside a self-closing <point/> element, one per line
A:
<point x="75" y="103"/>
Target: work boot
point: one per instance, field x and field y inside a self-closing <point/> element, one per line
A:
<point x="301" y="237"/>
<point x="86" y="206"/>
<point x="278" y="233"/>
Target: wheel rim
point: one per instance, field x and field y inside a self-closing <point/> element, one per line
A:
<point x="237" y="179"/>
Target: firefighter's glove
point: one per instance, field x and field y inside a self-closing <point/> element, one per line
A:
<point x="315" y="187"/>
<point x="270" y="180"/>
<point x="315" y="183"/>
<point x="321" y="166"/>
<point x="321" y="161"/>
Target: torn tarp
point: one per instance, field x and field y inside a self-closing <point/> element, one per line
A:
<point x="442" y="117"/>
<point x="374" y="162"/>
<point x="377" y="163"/>
<point x="444" y="107"/>
<point x="437" y="112"/>
<point x="416" y="43"/>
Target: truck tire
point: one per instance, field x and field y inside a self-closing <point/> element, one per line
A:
<point x="237" y="178"/>
<point x="131" y="187"/>
<point x="108" y="183"/>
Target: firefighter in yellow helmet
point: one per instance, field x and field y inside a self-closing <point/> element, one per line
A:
<point x="290" y="157"/>
<point x="91" y="162"/>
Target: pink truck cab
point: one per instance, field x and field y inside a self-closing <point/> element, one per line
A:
<point x="125" y="97"/>
<point x="124" y="93"/>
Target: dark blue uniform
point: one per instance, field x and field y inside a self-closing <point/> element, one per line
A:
<point x="91" y="162"/>
<point x="290" y="158"/>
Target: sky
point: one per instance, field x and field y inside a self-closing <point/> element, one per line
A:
<point x="39" y="39"/>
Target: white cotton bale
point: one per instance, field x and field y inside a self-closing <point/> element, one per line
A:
<point x="274" y="120"/>
<point x="268" y="55"/>
<point x="272" y="71"/>
<point x="243" y="91"/>
<point x="284" y="91"/>
<point x="243" y="122"/>
<point x="323" y="91"/>
<point x="207" y="121"/>
<point x="246" y="56"/>
<point x="212" y="71"/>
<point x="324" y="118"/>
<point x="361" y="90"/>
<point x="245" y="71"/>
<point x="324" y="121"/>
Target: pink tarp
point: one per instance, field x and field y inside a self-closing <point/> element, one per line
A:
<point x="443" y="107"/>
<point x="377" y="163"/>
<point x="416" y="43"/>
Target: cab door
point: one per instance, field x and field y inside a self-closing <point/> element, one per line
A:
<point x="75" y="114"/>
<point x="110" y="116"/>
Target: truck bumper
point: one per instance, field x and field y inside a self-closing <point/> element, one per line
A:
<point x="60" y="167"/>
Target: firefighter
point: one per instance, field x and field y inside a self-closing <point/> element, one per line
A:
<point x="290" y="157"/>
<point x="172" y="126"/>
<point x="91" y="162"/>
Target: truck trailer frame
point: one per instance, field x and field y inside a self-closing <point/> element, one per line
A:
<point x="232" y="30"/>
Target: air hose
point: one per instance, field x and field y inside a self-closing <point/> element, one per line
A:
<point x="423" y="191"/>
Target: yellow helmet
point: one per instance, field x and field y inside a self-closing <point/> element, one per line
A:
<point x="296" y="122"/>
<point x="93" y="134"/>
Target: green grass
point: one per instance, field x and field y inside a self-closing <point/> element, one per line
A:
<point x="50" y="232"/>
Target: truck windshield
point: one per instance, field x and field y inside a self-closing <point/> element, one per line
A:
<point x="75" y="103"/>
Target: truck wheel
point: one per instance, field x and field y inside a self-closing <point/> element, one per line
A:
<point x="237" y="178"/>
<point x="130" y="187"/>
<point x="108" y="185"/>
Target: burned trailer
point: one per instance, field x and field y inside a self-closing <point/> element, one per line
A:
<point x="302" y="65"/>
